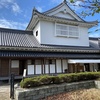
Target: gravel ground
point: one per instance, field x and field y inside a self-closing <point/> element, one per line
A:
<point x="86" y="94"/>
<point x="4" y="92"/>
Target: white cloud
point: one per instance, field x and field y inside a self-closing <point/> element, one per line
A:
<point x="39" y="9"/>
<point x="94" y="34"/>
<point x="16" y="8"/>
<point x="78" y="2"/>
<point x="11" y="24"/>
<point x="10" y="4"/>
<point x="94" y="31"/>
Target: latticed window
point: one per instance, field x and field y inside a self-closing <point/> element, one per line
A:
<point x="38" y="62"/>
<point x="67" y="30"/>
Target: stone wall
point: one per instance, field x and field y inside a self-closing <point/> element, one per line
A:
<point x="44" y="91"/>
<point x="97" y="84"/>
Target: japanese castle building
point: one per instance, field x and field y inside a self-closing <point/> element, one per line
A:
<point x="54" y="42"/>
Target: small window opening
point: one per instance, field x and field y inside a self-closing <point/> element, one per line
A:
<point x="36" y="33"/>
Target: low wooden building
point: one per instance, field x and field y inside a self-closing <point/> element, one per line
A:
<point x="54" y="42"/>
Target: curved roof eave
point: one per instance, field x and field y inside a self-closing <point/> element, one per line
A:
<point x="41" y="15"/>
<point x="33" y="14"/>
<point x="47" y="49"/>
<point x="38" y="14"/>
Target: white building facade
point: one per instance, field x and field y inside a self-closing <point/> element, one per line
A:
<point x="54" y="42"/>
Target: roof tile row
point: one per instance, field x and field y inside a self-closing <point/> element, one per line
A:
<point x="15" y="38"/>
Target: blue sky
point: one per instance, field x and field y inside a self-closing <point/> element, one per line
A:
<point x="16" y="14"/>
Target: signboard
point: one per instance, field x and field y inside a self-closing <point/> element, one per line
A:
<point x="24" y="73"/>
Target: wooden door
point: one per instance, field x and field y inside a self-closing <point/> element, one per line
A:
<point x="4" y="68"/>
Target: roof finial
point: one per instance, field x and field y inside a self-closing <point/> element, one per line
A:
<point x="34" y="8"/>
<point x="64" y="1"/>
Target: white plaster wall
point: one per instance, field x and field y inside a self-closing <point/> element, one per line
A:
<point x="38" y="69"/>
<point x="46" y="69"/>
<point x="52" y="68"/>
<point x="68" y="11"/>
<point x="58" y="64"/>
<point x="48" y="36"/>
<point x="37" y="28"/>
<point x="60" y="14"/>
<point x="30" y="69"/>
<point x="65" y="65"/>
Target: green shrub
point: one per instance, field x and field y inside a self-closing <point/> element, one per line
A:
<point x="82" y="76"/>
<point x="61" y="76"/>
<point x="29" y="82"/>
<point x="56" y="80"/>
<point x="88" y="76"/>
<point x="74" y="77"/>
<point x="46" y="79"/>
<point x="67" y="78"/>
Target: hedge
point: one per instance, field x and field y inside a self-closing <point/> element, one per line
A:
<point x="61" y="78"/>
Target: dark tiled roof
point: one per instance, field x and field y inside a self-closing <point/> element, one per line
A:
<point x="94" y="38"/>
<point x="94" y="42"/>
<point x="18" y="38"/>
<point x="72" y="47"/>
<point x="48" y="54"/>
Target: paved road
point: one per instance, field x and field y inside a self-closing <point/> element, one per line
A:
<point x="4" y="92"/>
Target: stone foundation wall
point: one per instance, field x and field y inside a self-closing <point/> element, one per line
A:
<point x="97" y="84"/>
<point x="44" y="91"/>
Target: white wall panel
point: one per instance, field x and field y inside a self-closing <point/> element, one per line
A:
<point x="65" y="15"/>
<point x="52" y="68"/>
<point x="58" y="65"/>
<point x="65" y="66"/>
<point x="30" y="69"/>
<point x="48" y="30"/>
<point x="46" y="69"/>
<point x="68" y="16"/>
<point x="38" y="69"/>
<point x="37" y="28"/>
